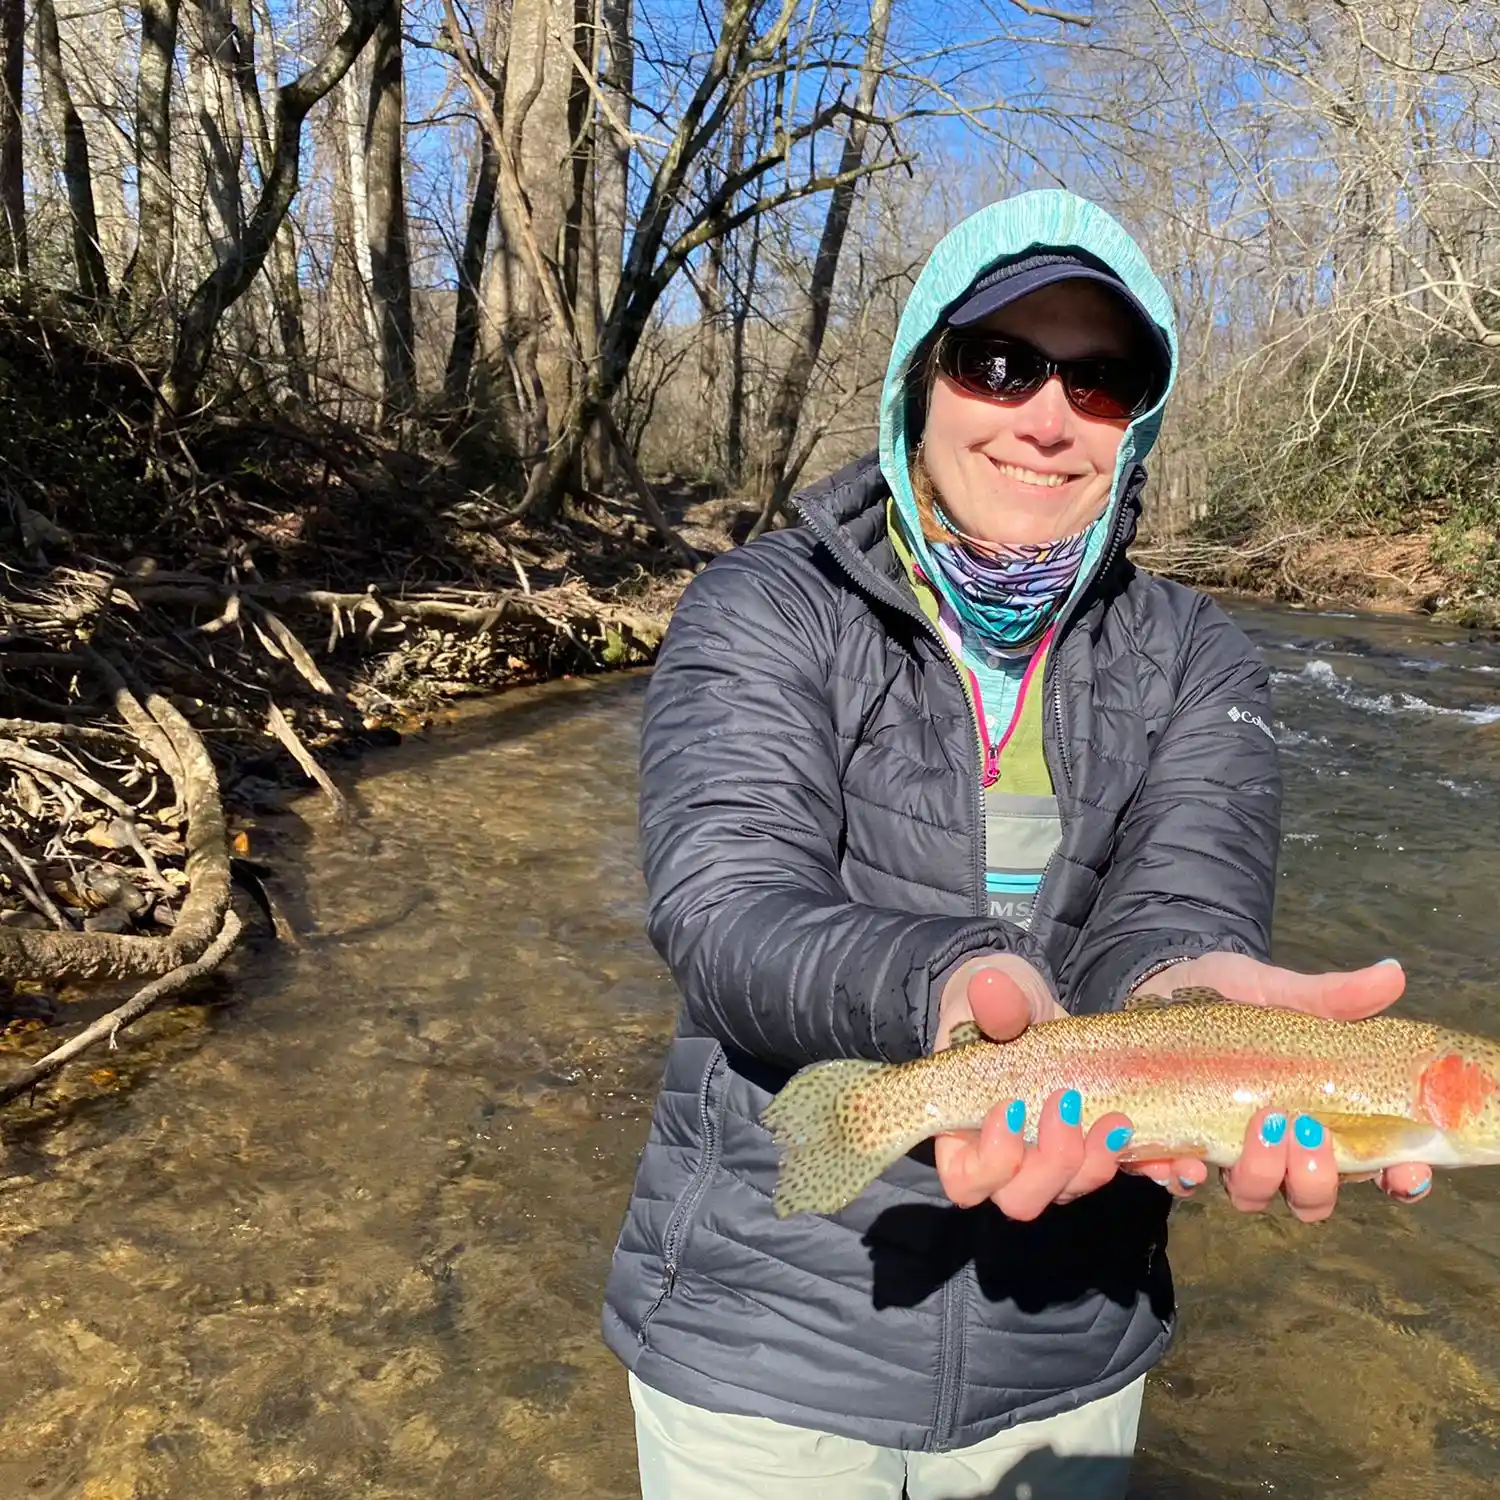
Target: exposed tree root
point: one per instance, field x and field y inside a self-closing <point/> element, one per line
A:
<point x="57" y="957"/>
<point x="107" y="1027"/>
<point x="474" y="610"/>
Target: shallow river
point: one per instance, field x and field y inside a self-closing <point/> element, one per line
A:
<point x="340" y="1230"/>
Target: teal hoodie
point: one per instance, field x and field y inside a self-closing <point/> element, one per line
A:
<point x="1046" y="219"/>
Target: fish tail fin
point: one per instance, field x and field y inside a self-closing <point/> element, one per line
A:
<point x="832" y="1148"/>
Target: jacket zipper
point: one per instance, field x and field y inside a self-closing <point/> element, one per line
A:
<point x="951" y="1358"/>
<point x="687" y="1205"/>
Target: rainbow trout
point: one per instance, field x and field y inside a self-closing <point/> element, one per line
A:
<point x="1189" y="1073"/>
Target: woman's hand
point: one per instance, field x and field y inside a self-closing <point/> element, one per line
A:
<point x="1004" y="995"/>
<point x="1294" y="1156"/>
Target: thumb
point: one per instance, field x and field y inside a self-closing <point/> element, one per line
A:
<point x="1346" y="996"/>
<point x="1004" y="1006"/>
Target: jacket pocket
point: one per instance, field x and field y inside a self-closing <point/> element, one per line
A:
<point x="711" y="1128"/>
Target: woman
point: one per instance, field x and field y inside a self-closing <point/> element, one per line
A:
<point x="942" y="754"/>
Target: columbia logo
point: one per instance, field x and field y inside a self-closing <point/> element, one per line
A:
<point x="1244" y="715"/>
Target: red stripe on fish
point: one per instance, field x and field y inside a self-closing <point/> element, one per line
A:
<point x="1133" y="1068"/>
<point x="1451" y="1091"/>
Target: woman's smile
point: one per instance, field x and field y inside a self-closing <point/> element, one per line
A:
<point x="1035" y="478"/>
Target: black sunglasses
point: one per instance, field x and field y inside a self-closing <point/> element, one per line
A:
<point x="1009" y="369"/>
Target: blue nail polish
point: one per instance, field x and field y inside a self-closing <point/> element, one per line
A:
<point x="1420" y="1192"/>
<point x="1272" y="1129"/>
<point x="1070" y="1107"/>
<point x="1188" y="1183"/>
<point x="1117" y="1140"/>
<point x="1015" y="1116"/>
<point x="1309" y="1132"/>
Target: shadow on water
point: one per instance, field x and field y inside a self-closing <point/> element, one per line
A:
<point x="341" y="1231"/>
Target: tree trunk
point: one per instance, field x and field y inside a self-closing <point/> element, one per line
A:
<point x="742" y="302"/>
<point x="102" y="43"/>
<point x="526" y="339"/>
<point x="612" y="151"/>
<point x="12" y="183"/>
<point x="580" y="235"/>
<point x="286" y="285"/>
<point x="88" y="258"/>
<point x="226" y="284"/>
<point x="460" y="370"/>
<point x="390" y="258"/>
<point x="710" y="356"/>
<point x="353" y="103"/>
<point x="654" y="258"/>
<point x="148" y="277"/>
<point x="791" y="394"/>
<point x="219" y="128"/>
<point x="734" y="427"/>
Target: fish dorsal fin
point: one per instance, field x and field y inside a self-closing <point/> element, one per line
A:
<point x="1191" y="994"/>
<point x="965" y="1034"/>
<point x="1139" y="1001"/>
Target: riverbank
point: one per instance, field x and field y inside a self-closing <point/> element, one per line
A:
<point x="199" y="624"/>
<point x="1373" y="573"/>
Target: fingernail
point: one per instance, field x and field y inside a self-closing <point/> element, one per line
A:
<point x="1420" y="1192"/>
<point x="1070" y="1107"/>
<point x="1396" y="962"/>
<point x="1272" y="1129"/>
<point x="1161" y="1182"/>
<point x="1118" y="1139"/>
<point x="1015" y="1116"/>
<point x="1309" y="1132"/>
<point x="1188" y="1183"/>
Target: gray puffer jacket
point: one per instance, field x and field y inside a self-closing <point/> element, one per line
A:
<point x="813" y="843"/>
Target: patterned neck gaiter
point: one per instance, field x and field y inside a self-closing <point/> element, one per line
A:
<point x="1007" y="594"/>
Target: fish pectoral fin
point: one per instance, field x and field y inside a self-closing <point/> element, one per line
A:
<point x="1379" y="1139"/>
<point x="1189" y="994"/>
<point x="965" y="1034"/>
<point x="1139" y="1151"/>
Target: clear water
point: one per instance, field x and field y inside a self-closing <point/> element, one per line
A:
<point x="340" y="1229"/>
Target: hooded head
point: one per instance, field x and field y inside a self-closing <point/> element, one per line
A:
<point x="1085" y="281"/>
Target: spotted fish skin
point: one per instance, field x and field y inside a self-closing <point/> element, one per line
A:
<point x="1189" y="1075"/>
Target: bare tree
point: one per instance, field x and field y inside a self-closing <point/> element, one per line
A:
<point x="459" y="373"/>
<point x="780" y="472"/>
<point x="664" y="236"/>
<point x="612" y="150"/>
<point x="227" y="282"/>
<point x="88" y="258"/>
<point x="285" y="280"/>
<point x="12" y="181"/>
<point x="390" y="259"/>
<point x="218" y="68"/>
<point x="148" y="277"/>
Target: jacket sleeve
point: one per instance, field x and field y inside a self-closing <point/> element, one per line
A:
<point x="741" y="816"/>
<point x="1194" y="867"/>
